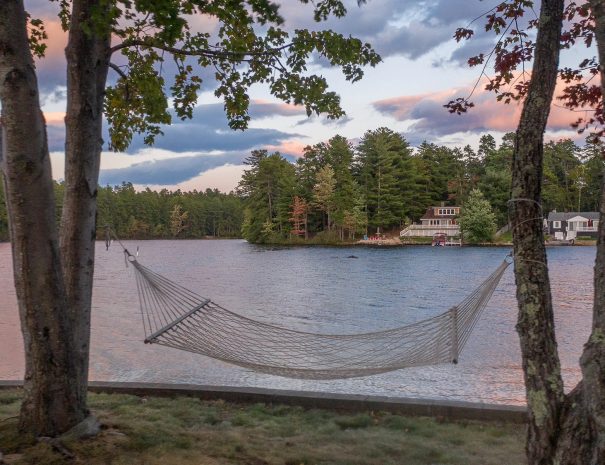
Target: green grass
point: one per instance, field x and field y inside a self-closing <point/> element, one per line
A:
<point x="416" y="240"/>
<point x="505" y="237"/>
<point x="183" y="430"/>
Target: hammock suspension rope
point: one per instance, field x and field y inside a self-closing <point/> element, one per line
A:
<point x="177" y="317"/>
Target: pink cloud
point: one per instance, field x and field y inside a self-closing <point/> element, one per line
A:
<point x="264" y="107"/>
<point x="57" y="38"/>
<point x="51" y="68"/>
<point x="400" y="107"/>
<point x="54" y="118"/>
<point x="430" y="117"/>
<point x="290" y="147"/>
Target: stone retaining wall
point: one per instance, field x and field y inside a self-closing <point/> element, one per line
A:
<point x="447" y="409"/>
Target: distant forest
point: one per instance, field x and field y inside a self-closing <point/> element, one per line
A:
<point x="161" y="214"/>
<point x="338" y="191"/>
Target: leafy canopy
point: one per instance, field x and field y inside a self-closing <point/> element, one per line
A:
<point x="250" y="45"/>
<point x="477" y="221"/>
<point x="514" y="23"/>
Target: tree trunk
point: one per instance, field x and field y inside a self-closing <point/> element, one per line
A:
<point x="87" y="65"/>
<point x="563" y="429"/>
<point x="541" y="366"/>
<point x="51" y="402"/>
<point x="593" y="358"/>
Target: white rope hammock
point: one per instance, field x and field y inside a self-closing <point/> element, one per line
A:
<point x="176" y="317"/>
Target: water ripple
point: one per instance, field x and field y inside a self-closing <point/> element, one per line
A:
<point x="321" y="289"/>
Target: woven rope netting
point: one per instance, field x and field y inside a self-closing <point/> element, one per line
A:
<point x="176" y="317"/>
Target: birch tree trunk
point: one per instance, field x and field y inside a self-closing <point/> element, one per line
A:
<point x="54" y="274"/>
<point x="53" y="277"/>
<point x="52" y="402"/>
<point x="87" y="56"/>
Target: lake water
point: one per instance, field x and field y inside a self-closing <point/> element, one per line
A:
<point x="322" y="289"/>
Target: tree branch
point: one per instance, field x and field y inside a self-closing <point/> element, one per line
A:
<point x="117" y="69"/>
<point x="203" y="52"/>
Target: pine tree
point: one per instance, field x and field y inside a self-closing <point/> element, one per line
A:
<point x="384" y="169"/>
<point x="340" y="156"/>
<point x="592" y="160"/>
<point x="442" y="165"/>
<point x="496" y="180"/>
<point x="562" y="172"/>
<point x="268" y="188"/>
<point x="323" y="193"/>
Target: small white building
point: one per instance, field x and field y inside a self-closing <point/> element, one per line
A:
<point x="436" y="220"/>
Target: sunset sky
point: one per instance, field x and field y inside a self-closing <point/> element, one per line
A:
<point x="422" y="69"/>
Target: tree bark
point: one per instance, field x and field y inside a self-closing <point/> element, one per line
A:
<point x="593" y="357"/>
<point x="87" y="65"/>
<point x="541" y="366"/>
<point x="51" y="399"/>
<point x="54" y="277"/>
<point x="563" y="429"/>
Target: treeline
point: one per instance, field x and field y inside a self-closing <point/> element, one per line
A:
<point x="169" y="214"/>
<point x="337" y="190"/>
<point x="157" y="214"/>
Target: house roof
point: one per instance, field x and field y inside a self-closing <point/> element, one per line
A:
<point x="430" y="214"/>
<point x="564" y="216"/>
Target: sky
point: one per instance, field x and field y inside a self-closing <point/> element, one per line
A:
<point x="422" y="69"/>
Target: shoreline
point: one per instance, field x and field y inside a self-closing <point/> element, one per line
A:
<point x="393" y="244"/>
<point x="448" y="409"/>
<point x="359" y="243"/>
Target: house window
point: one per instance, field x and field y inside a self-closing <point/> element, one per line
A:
<point x="556" y="225"/>
<point x="446" y="211"/>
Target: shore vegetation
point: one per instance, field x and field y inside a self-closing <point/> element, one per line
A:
<point x="332" y="195"/>
<point x="383" y="184"/>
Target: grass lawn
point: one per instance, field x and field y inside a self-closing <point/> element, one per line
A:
<point x="416" y="240"/>
<point x="188" y="431"/>
<point x="505" y="237"/>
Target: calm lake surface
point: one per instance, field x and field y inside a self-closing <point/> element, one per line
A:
<point x="321" y="289"/>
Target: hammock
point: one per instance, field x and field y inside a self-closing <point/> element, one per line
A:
<point x="177" y="317"/>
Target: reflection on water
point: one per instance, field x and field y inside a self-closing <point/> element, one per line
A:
<point x="322" y="290"/>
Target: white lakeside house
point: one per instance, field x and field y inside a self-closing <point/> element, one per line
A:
<point x="436" y="220"/>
